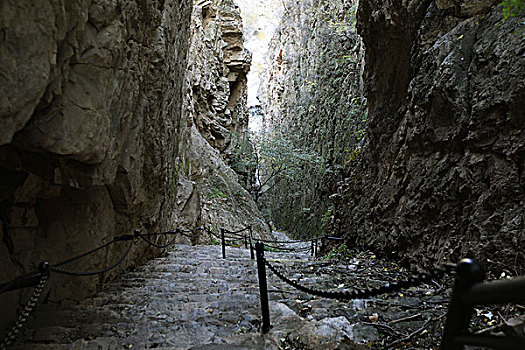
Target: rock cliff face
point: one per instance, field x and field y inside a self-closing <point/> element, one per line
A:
<point x="98" y="108"/>
<point x="313" y="95"/>
<point x="218" y="67"/>
<point x="442" y="174"/>
<point x="90" y="125"/>
<point x="216" y="113"/>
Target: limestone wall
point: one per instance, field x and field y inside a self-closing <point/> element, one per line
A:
<point x="215" y="112"/>
<point x="115" y="116"/>
<point x="439" y="172"/>
<point x="442" y="174"/>
<point x="313" y="95"/>
<point x="94" y="139"/>
<point x="218" y="66"/>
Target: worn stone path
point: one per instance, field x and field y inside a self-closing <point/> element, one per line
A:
<point x="194" y="299"/>
<point x="191" y="299"/>
<point x="187" y="299"/>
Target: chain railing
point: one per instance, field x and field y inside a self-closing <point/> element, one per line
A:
<point x="227" y="236"/>
<point x="470" y="289"/>
<point x="38" y="278"/>
<point x="22" y="318"/>
<point x="362" y="293"/>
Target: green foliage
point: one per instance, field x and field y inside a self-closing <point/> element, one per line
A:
<point x="339" y="253"/>
<point x="341" y="25"/>
<point x="270" y="157"/>
<point x="326" y="220"/>
<point x="278" y="159"/>
<point x="244" y="160"/>
<point x="310" y="85"/>
<point x="279" y="156"/>
<point x="352" y="155"/>
<point x="216" y="193"/>
<point x="322" y="113"/>
<point x="512" y="8"/>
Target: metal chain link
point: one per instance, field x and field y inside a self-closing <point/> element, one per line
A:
<point x="92" y="273"/>
<point x="233" y="235"/>
<point x="285" y="249"/>
<point x="194" y="235"/>
<point x="143" y="237"/>
<point x="369" y="292"/>
<point x="226" y="237"/>
<point x="288" y="242"/>
<point x="11" y="336"/>
<point x="238" y="231"/>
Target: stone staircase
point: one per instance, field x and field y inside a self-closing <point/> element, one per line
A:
<point x="194" y="299"/>
<point x="191" y="299"/>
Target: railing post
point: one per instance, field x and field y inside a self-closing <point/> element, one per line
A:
<point x="263" y="287"/>
<point x="468" y="273"/>
<point x="223" y="242"/>
<point x="315" y="247"/>
<point x="245" y="241"/>
<point x="252" y="255"/>
<point x="312" y="247"/>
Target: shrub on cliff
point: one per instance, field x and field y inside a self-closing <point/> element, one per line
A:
<point x="512" y="8"/>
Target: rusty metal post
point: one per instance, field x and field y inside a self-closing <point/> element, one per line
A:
<point x="468" y="273"/>
<point x="223" y="242"/>
<point x="263" y="287"/>
<point x="250" y="232"/>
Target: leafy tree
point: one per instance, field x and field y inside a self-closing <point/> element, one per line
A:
<point x="271" y="157"/>
<point x="243" y="159"/>
<point x="277" y="159"/>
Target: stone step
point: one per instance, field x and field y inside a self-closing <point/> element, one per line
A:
<point x="190" y="299"/>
